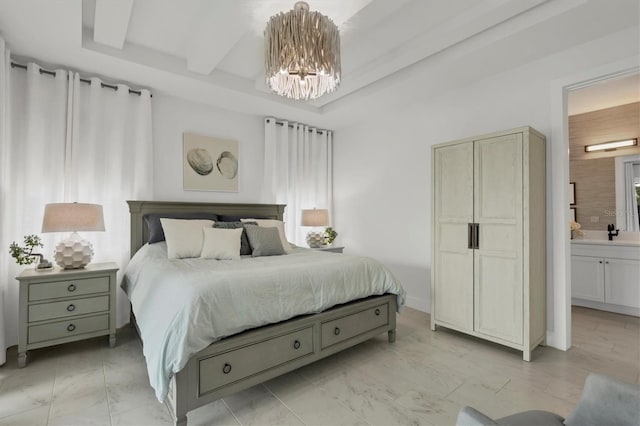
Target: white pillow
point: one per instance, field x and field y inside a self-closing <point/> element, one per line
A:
<point x="272" y="223"/>
<point x="184" y="236"/>
<point x="221" y="243"/>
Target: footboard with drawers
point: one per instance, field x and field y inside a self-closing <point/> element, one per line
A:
<point x="244" y="360"/>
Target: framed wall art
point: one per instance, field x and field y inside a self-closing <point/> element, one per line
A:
<point x="209" y="163"/>
<point x="572" y="193"/>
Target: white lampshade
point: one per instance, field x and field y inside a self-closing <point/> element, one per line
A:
<point x="72" y="217"/>
<point x="73" y="252"/>
<point x="315" y="217"/>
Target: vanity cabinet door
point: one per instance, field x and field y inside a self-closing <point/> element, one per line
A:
<point x="587" y="278"/>
<point x="622" y="284"/>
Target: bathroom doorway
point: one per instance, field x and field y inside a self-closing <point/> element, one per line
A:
<point x="604" y="206"/>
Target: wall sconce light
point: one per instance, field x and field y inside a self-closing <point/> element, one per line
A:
<point x="611" y="146"/>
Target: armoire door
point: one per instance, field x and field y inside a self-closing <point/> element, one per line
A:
<point x="453" y="268"/>
<point x="498" y="268"/>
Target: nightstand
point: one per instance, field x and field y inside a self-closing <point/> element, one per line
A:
<point x="330" y="249"/>
<point x="65" y="305"/>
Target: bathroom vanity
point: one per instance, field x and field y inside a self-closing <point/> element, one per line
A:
<point x="605" y="274"/>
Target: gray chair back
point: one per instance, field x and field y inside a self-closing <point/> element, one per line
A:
<point x="606" y="401"/>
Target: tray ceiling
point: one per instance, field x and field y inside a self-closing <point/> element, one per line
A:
<point x="212" y="51"/>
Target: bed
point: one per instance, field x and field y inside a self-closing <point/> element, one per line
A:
<point x="240" y="360"/>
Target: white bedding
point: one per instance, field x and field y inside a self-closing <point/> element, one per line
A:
<point x="184" y="305"/>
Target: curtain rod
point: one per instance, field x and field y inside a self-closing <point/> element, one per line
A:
<point x="84" y="80"/>
<point x="281" y="123"/>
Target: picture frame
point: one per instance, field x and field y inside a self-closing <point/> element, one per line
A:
<point x="572" y="214"/>
<point x="572" y="193"/>
<point x="209" y="163"/>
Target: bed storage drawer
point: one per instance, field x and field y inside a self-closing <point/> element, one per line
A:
<point x="68" y="288"/>
<point x="67" y="308"/>
<point x="239" y="364"/>
<point x="351" y="325"/>
<point x="70" y="327"/>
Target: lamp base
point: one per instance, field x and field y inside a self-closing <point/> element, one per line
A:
<point x="315" y="239"/>
<point x="73" y="253"/>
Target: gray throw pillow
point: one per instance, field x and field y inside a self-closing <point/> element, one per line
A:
<point x="245" y="248"/>
<point x="264" y="241"/>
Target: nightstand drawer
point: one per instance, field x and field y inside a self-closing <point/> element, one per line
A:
<point x="344" y="328"/>
<point x="66" y="288"/>
<point x="71" y="327"/>
<point x="67" y="308"/>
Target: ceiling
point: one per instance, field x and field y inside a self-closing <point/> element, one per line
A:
<point x="605" y="94"/>
<point x="212" y="51"/>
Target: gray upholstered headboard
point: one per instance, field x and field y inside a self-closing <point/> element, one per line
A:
<point x="140" y="233"/>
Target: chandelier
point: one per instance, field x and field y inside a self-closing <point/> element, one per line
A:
<point x="302" y="53"/>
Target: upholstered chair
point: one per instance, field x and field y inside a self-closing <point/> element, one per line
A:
<point x="604" y="401"/>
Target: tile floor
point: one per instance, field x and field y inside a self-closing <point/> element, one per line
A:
<point x="423" y="378"/>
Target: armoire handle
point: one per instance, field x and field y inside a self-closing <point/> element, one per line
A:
<point x="470" y="235"/>
<point x="476" y="237"/>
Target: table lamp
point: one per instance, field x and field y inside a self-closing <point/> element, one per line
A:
<point x="315" y="217"/>
<point x="73" y="252"/>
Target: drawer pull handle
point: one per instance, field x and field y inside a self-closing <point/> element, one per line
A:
<point x="71" y="327"/>
<point x="71" y="307"/>
<point x="227" y="368"/>
<point x="296" y="344"/>
<point x="336" y="331"/>
<point x="72" y="287"/>
<point x="377" y="311"/>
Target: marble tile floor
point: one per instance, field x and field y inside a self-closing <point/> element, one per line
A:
<point x="423" y="378"/>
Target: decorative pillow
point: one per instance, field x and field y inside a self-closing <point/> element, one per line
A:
<point x="271" y="223"/>
<point x="184" y="236"/>
<point x="245" y="248"/>
<point x="156" y="234"/>
<point x="221" y="243"/>
<point x="264" y="241"/>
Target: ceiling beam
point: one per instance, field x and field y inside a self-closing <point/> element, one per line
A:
<point x="111" y="22"/>
<point x="220" y="25"/>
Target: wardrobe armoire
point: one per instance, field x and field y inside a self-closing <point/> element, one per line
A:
<point x="488" y="270"/>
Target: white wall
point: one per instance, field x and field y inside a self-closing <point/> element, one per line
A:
<point x="173" y="116"/>
<point x="382" y="204"/>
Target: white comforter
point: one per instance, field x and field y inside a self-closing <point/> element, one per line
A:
<point x="183" y="305"/>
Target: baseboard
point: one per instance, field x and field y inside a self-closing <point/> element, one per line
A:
<point x="618" y="309"/>
<point x="418" y="303"/>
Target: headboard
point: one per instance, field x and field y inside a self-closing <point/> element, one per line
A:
<point x="140" y="233"/>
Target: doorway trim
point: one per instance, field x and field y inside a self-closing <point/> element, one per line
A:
<point x="559" y="257"/>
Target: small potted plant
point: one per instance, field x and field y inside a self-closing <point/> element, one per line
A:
<point x="329" y="235"/>
<point x="26" y="256"/>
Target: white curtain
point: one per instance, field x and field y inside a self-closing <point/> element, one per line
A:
<point x="110" y="162"/>
<point x="631" y="203"/>
<point x="63" y="140"/>
<point x="298" y="171"/>
<point x="32" y="164"/>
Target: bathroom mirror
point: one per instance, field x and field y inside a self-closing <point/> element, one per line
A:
<point x="627" y="178"/>
<point x="605" y="181"/>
